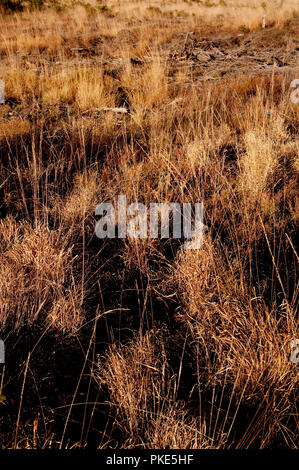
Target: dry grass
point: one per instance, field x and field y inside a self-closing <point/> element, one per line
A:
<point x="140" y="342"/>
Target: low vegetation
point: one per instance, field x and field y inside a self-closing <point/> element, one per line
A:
<point x="128" y="342"/>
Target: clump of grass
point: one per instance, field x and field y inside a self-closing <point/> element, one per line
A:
<point x="35" y="267"/>
<point x="144" y="397"/>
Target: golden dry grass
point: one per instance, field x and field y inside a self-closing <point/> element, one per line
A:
<point x="140" y="342"/>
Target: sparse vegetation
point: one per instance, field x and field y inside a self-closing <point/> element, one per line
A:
<point x="127" y="342"/>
